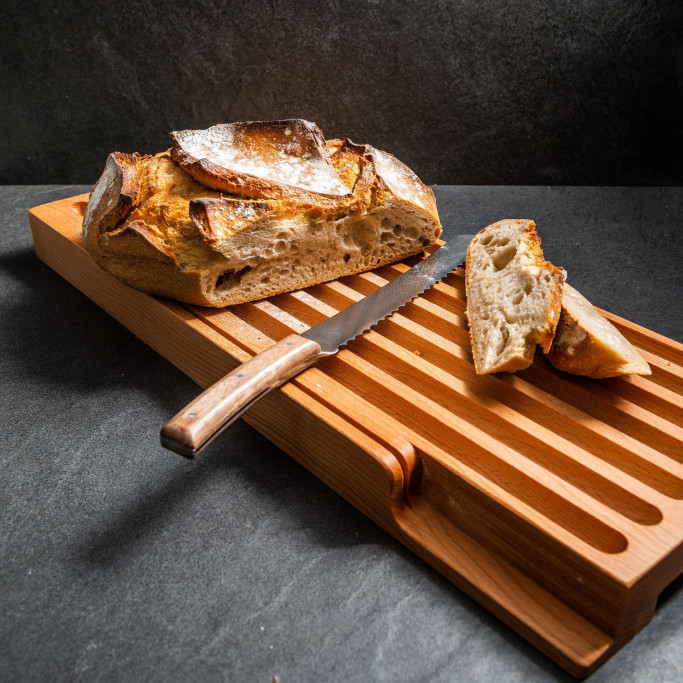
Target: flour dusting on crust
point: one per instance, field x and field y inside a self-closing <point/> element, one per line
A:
<point x="290" y="153"/>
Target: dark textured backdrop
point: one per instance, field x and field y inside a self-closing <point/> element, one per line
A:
<point x="468" y="92"/>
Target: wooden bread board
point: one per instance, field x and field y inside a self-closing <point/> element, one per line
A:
<point x="554" y="501"/>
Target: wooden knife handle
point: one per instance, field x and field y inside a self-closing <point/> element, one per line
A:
<point x="200" y="422"/>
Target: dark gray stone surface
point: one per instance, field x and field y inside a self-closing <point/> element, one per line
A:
<point x="121" y="561"/>
<point x="499" y="92"/>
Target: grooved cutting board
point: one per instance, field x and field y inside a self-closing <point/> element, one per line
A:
<point x="555" y="501"/>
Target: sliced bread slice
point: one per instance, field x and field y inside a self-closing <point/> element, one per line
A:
<point x="587" y="344"/>
<point x="513" y="296"/>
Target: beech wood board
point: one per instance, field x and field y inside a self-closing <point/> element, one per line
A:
<point x="555" y="501"/>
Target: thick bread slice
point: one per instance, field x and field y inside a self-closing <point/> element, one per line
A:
<point x="587" y="344"/>
<point x="513" y="296"/>
<point x="167" y="233"/>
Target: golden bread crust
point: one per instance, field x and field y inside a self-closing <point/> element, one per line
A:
<point x="587" y="344"/>
<point x="262" y="159"/>
<point x="113" y="197"/>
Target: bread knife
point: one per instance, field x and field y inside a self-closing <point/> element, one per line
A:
<point x="200" y="422"/>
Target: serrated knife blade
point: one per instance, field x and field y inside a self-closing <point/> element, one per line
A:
<point x="201" y="421"/>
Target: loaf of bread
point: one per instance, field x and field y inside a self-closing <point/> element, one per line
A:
<point x="243" y="211"/>
<point x="587" y="344"/>
<point x="513" y="296"/>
